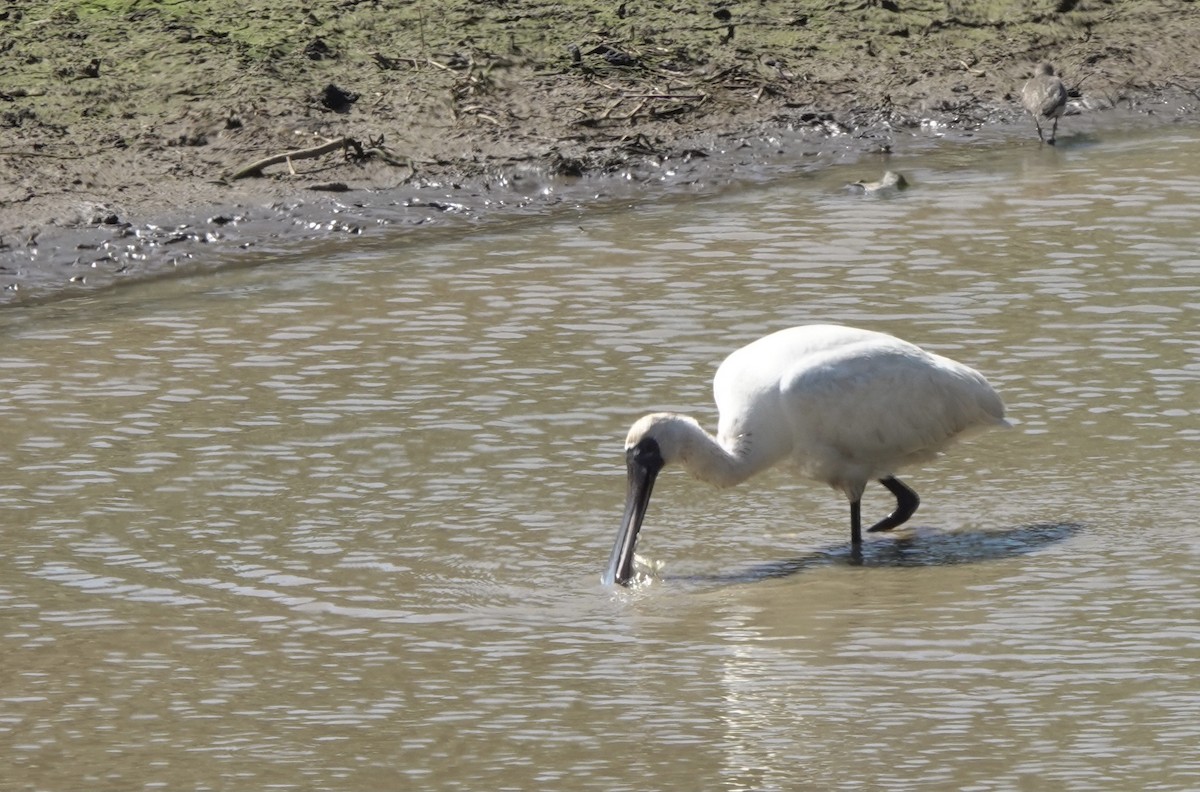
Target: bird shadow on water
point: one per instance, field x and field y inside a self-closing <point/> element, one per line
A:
<point x="1074" y="140"/>
<point x="919" y="547"/>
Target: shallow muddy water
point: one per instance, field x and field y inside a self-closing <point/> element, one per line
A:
<point x="338" y="522"/>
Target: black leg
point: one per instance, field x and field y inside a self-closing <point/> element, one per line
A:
<point x="855" y="523"/>
<point x="906" y="503"/>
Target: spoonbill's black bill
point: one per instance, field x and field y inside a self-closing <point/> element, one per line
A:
<point x="838" y="404"/>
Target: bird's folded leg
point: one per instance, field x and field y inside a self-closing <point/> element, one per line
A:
<point x="907" y="502"/>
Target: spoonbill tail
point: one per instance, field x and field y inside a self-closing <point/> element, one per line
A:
<point x="841" y="405"/>
<point x="1045" y="98"/>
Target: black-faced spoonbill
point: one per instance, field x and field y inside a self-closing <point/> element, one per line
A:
<point x="841" y="405"/>
<point x="1045" y="98"/>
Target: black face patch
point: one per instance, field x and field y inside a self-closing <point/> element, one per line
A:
<point x="646" y="455"/>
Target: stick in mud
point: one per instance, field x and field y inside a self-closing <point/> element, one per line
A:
<point x="256" y="168"/>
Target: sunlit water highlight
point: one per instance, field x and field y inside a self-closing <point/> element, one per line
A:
<point x="338" y="522"/>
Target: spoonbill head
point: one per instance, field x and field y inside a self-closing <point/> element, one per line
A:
<point x="838" y="404"/>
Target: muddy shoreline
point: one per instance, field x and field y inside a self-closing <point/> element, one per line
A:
<point x="104" y="185"/>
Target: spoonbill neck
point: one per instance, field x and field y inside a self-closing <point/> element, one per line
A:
<point x="685" y="442"/>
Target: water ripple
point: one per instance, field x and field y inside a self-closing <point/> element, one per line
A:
<point x="251" y="521"/>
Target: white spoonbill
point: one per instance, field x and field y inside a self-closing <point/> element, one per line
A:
<point x="842" y="405"/>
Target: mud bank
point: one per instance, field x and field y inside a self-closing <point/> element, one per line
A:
<point x="130" y="130"/>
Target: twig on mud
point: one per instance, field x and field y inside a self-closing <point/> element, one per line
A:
<point x="375" y="148"/>
<point x="256" y="168"/>
<point x="390" y="63"/>
<point x="684" y="97"/>
<point x="1078" y="83"/>
<point x="970" y="68"/>
<point x="604" y="85"/>
<point x="608" y="110"/>
<point x="47" y="154"/>
<point x="1181" y="87"/>
<point x="355" y="151"/>
<point x="435" y="64"/>
<point x="478" y="112"/>
<point x="20" y="93"/>
<point x="685" y="102"/>
<point x="636" y="110"/>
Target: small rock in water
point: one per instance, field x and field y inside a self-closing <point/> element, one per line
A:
<point x="891" y="182"/>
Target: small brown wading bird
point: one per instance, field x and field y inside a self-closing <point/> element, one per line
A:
<point x="839" y="405"/>
<point x="1045" y="98"/>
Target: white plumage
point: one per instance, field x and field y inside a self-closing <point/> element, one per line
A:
<point x="841" y="405"/>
